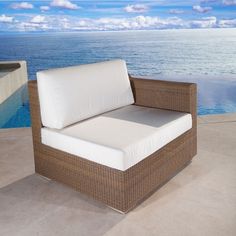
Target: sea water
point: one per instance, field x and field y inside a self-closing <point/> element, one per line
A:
<point x="204" y="56"/>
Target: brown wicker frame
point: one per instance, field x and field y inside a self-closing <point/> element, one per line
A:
<point x="122" y="190"/>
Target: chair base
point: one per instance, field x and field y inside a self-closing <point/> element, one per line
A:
<point x="120" y="190"/>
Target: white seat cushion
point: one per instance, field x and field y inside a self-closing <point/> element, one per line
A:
<point x="121" y="138"/>
<point x="69" y="95"/>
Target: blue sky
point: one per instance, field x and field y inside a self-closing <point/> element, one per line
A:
<point x="69" y="15"/>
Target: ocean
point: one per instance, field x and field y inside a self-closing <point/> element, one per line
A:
<point x="204" y="56"/>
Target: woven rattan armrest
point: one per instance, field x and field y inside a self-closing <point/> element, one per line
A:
<point x="177" y="96"/>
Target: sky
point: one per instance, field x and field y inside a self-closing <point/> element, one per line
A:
<point x="108" y="15"/>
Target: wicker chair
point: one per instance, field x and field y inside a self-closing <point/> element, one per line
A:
<point x="122" y="190"/>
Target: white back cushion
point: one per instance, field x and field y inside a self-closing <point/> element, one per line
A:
<point x="71" y="94"/>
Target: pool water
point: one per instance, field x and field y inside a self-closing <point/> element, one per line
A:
<point x="20" y="119"/>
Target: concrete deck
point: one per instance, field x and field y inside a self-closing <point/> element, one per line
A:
<point x="199" y="201"/>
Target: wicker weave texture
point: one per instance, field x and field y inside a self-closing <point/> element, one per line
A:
<point x="122" y="190"/>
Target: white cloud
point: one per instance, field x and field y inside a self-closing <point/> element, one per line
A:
<point x="74" y="23"/>
<point x="200" y="9"/>
<point x="36" y="23"/>
<point x="28" y="26"/>
<point x="64" y="4"/>
<point x="208" y="1"/>
<point x="134" y="23"/>
<point x="229" y="2"/>
<point x="44" y="8"/>
<point x="6" y="19"/>
<point x="22" y="5"/>
<point x="136" y="8"/>
<point x="38" y="19"/>
<point x="205" y="22"/>
<point x="176" y="11"/>
<point x="227" y="23"/>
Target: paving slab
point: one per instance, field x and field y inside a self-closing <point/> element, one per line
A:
<point x="200" y="200"/>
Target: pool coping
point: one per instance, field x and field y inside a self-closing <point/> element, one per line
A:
<point x="14" y="77"/>
<point x="217" y="118"/>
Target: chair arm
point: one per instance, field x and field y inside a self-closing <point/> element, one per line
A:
<point x="177" y="96"/>
<point x="35" y="110"/>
